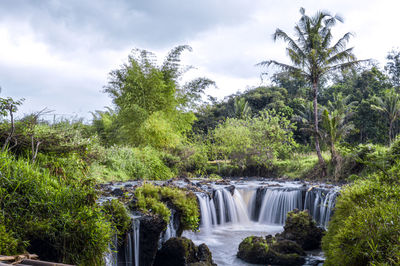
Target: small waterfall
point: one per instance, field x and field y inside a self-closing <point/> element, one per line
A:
<point x="230" y="207"/>
<point x="111" y="257"/>
<point x="320" y="203"/>
<point x="128" y="254"/>
<point x="277" y="203"/>
<point x="241" y="207"/>
<point x="171" y="229"/>
<point x="207" y="210"/>
<point x="220" y="206"/>
<point x="136" y="238"/>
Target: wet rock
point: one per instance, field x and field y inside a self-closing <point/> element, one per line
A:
<point x="259" y="250"/>
<point x="150" y="229"/>
<point x="301" y="228"/>
<point x="117" y="192"/>
<point x="180" y="251"/>
<point x="231" y="189"/>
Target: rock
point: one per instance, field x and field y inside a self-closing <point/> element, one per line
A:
<point x="150" y="229"/>
<point x="117" y="192"/>
<point x="180" y="251"/>
<point x="301" y="228"/>
<point x="259" y="250"/>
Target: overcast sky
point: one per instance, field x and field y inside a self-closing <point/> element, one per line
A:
<point x="58" y="53"/>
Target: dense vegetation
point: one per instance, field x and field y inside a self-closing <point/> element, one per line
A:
<point x="339" y="124"/>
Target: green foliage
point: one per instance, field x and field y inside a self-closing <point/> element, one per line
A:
<point x="389" y="106"/>
<point x="154" y="199"/>
<point x="124" y="163"/>
<point x="365" y="227"/>
<point x="151" y="107"/>
<point x="256" y="141"/>
<point x="119" y="217"/>
<point x="59" y="219"/>
<point x="8" y="244"/>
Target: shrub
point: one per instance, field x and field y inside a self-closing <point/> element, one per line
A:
<point x="58" y="219"/>
<point x="257" y="141"/>
<point x="124" y="163"/>
<point x="365" y="228"/>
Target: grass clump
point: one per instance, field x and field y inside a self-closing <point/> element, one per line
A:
<point x="154" y="199"/>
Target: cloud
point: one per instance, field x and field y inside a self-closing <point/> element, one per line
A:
<point x="58" y="53"/>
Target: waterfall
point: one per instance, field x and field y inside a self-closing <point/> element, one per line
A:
<point x="220" y="206"/>
<point x="277" y="203"/>
<point x="241" y="208"/>
<point x="111" y="257"/>
<point x="320" y="203"/>
<point x="136" y="238"/>
<point x="128" y="254"/>
<point x="207" y="210"/>
<point x="172" y="227"/>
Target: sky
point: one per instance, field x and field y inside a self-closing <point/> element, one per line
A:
<point x="57" y="54"/>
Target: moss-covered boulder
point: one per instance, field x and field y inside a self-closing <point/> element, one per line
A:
<point x="259" y="250"/>
<point x="180" y="251"/>
<point x="301" y="228"/>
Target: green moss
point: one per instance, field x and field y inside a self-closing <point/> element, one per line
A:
<point x="154" y="199"/>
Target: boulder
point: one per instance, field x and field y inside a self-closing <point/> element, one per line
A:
<point x="259" y="250"/>
<point x="181" y="251"/>
<point x="301" y="228"/>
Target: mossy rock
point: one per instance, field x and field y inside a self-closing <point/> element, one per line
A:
<point x="301" y="228"/>
<point x="259" y="250"/>
<point x="181" y="251"/>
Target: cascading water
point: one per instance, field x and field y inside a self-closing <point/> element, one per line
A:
<point x="171" y="230"/>
<point x="136" y="238"/>
<point x="207" y="210"/>
<point x="320" y="203"/>
<point x="277" y="203"/>
<point x="228" y="214"/>
<point x="128" y="255"/>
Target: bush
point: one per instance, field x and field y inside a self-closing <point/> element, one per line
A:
<point x="257" y="141"/>
<point x="124" y="163"/>
<point x="365" y="228"/>
<point x="58" y="219"/>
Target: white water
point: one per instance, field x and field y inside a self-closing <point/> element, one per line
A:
<point x="277" y="203"/>
<point x="136" y="239"/>
<point x="226" y="218"/>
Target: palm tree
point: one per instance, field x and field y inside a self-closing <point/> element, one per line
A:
<point x="313" y="57"/>
<point x="335" y="122"/>
<point x="241" y="108"/>
<point x="389" y="104"/>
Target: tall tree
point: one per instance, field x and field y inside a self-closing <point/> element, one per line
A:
<point x="313" y="57"/>
<point x="146" y="94"/>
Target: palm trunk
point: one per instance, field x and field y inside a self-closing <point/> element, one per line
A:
<point x="317" y="148"/>
<point x="390" y="131"/>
